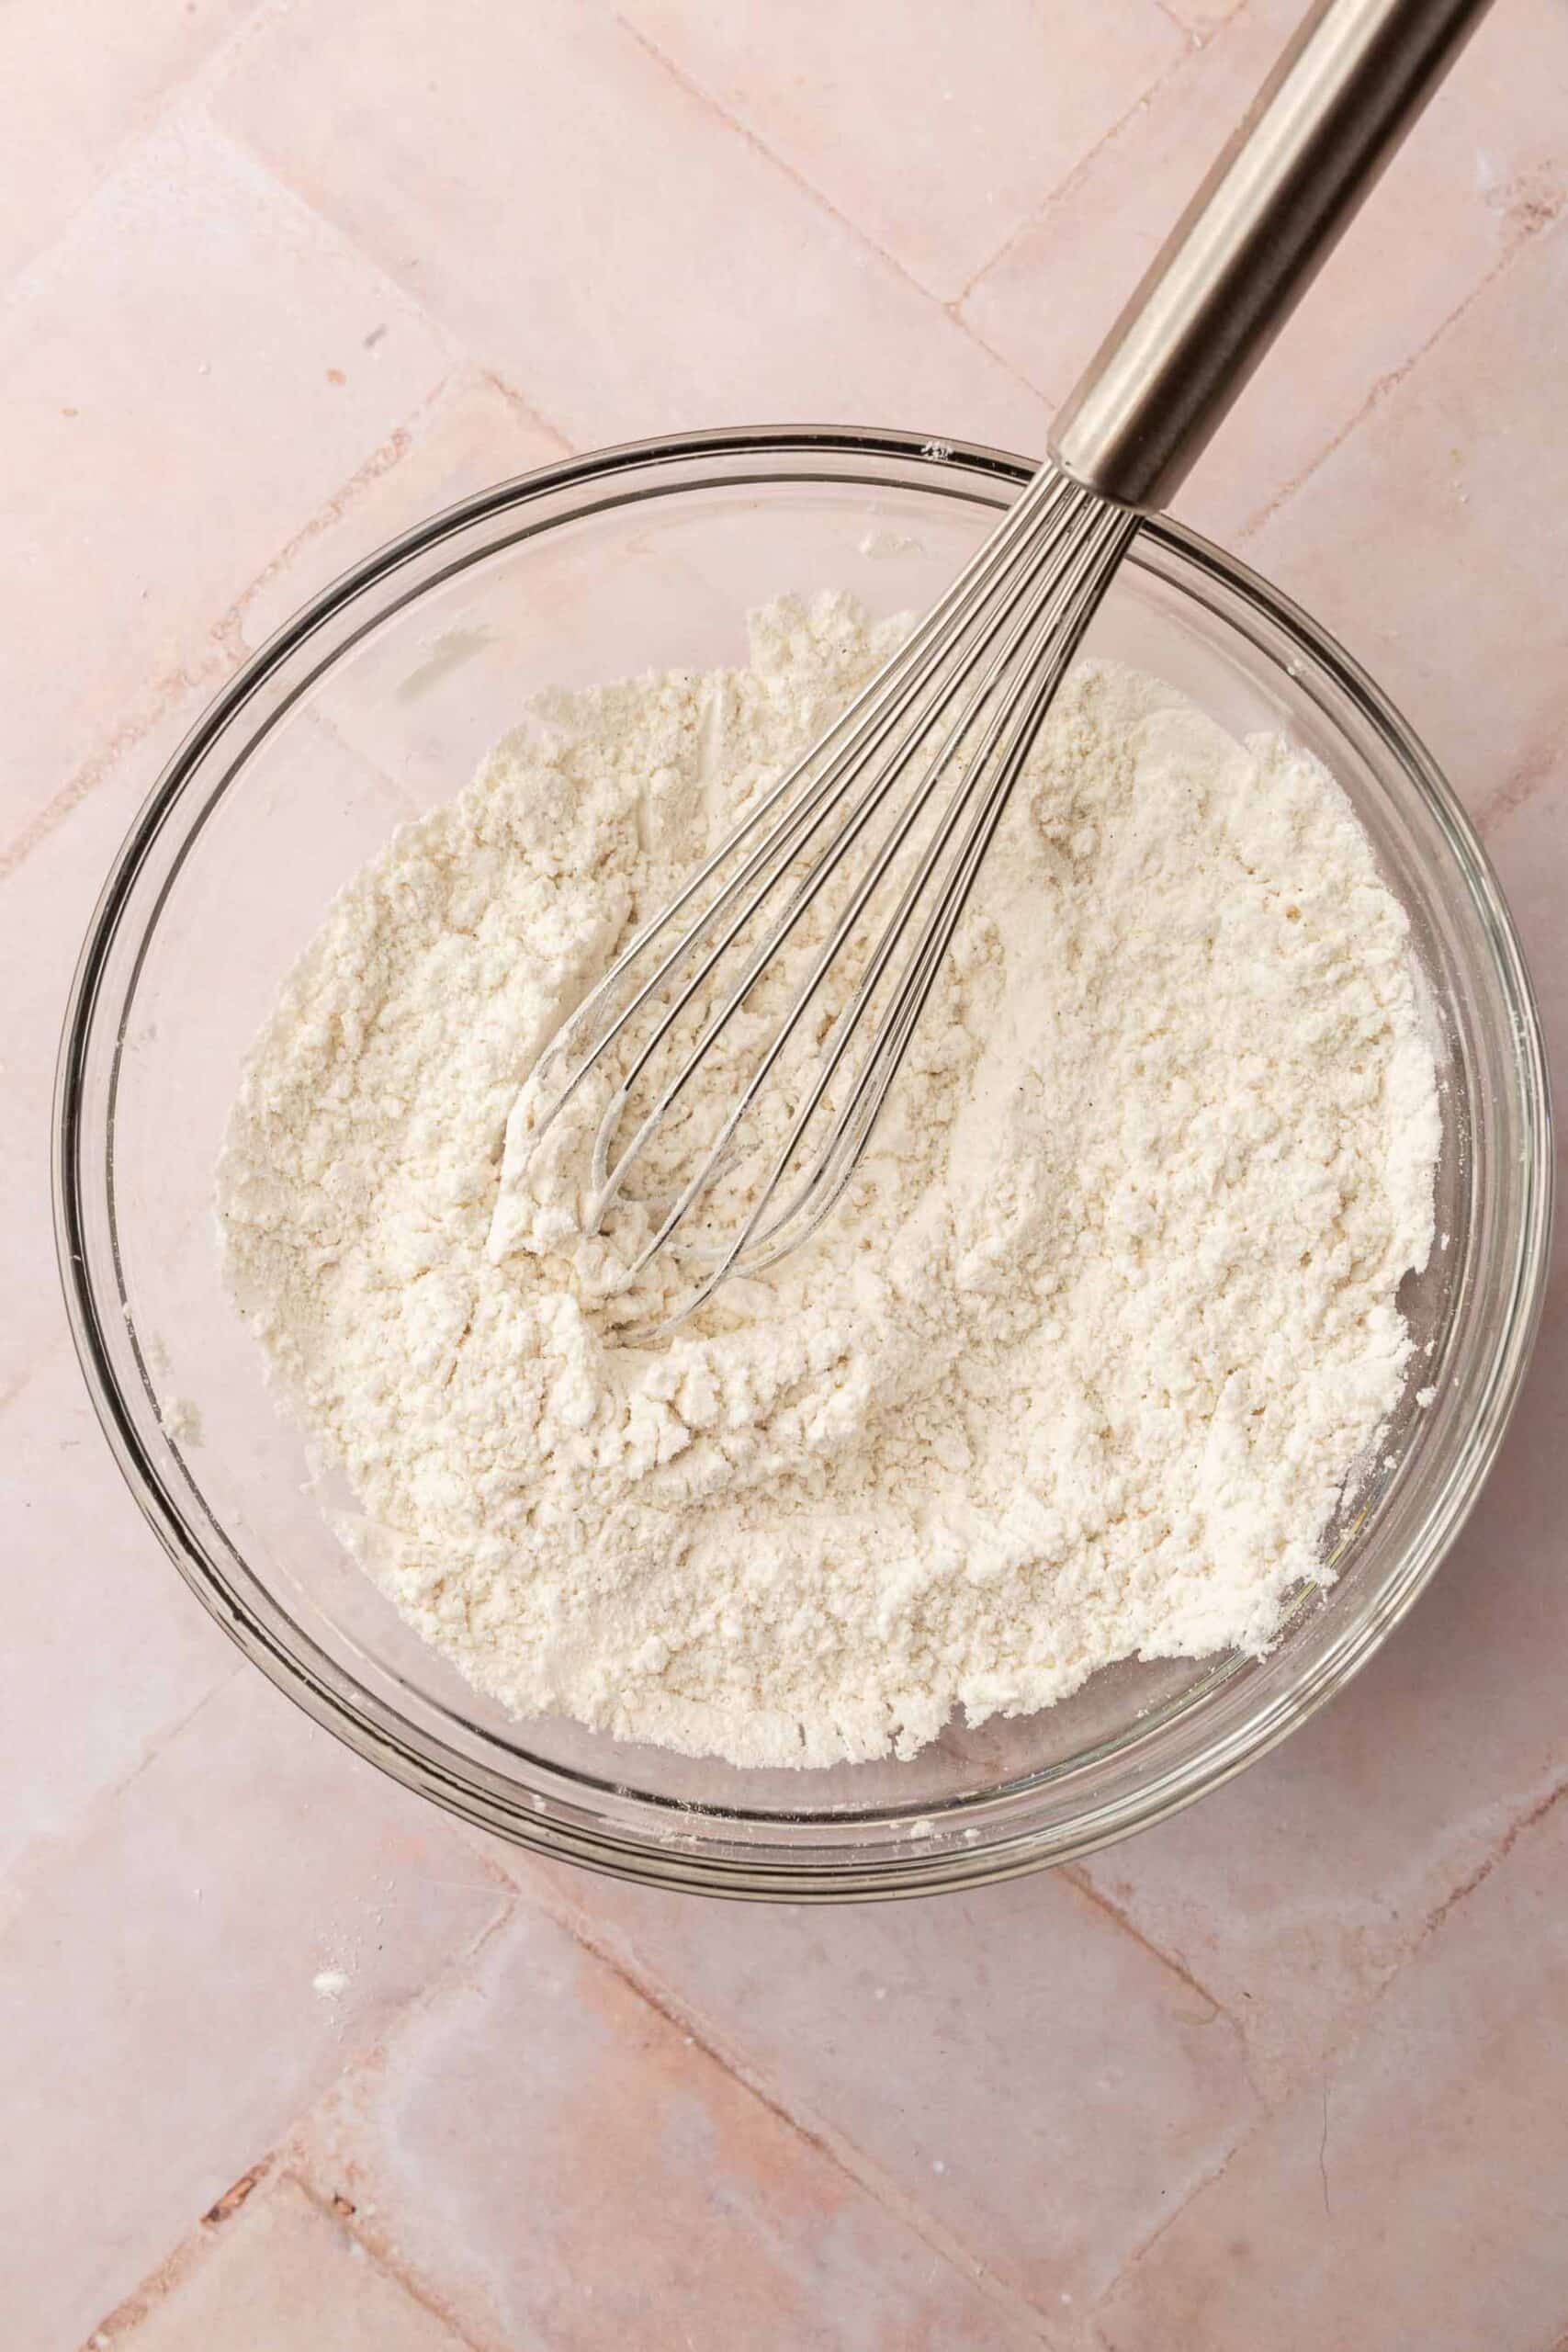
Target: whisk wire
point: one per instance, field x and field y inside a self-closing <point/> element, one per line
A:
<point x="1042" y="552"/>
<point x="1056" y="641"/>
<point x="967" y="693"/>
<point x="883" y="1063"/>
<point x="958" y="705"/>
<point x="922" y="652"/>
<point x="1054" y="635"/>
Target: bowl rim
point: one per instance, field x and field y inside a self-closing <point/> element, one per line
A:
<point x="370" y="1726"/>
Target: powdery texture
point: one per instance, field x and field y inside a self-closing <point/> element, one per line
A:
<point x="1078" y="1374"/>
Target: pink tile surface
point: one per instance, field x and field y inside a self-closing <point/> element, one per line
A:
<point x="902" y="2034"/>
<point x="473" y="433"/>
<point x="1478" y="174"/>
<point x="1453" y="495"/>
<point x="1440" y="2129"/>
<point x="898" y="115"/>
<point x="69" y="105"/>
<point x="1526" y="834"/>
<point x="633" y="215"/>
<point x="1203" y="16"/>
<point x="282" y="2274"/>
<point x="576" y="2171"/>
<point x="159" y="2003"/>
<point x="167" y="372"/>
<point x="275" y="281"/>
<point x="46" y="898"/>
<point x="97" y="1632"/>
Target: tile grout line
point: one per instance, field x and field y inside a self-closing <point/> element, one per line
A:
<point x="1066" y="186"/>
<point x="536" y="416"/>
<point x="291" y="205"/>
<point x="464" y="357"/>
<point x="299" y="2162"/>
<point x="971" y="334"/>
<point x="226" y="629"/>
<point x="1534" y="772"/>
<point x="167" y="689"/>
<point x="1168" y="2221"/>
<point x="192" y="88"/>
<point x="284" y="2159"/>
<point x="1539" y="219"/>
<point x="1077" y="1877"/>
<point x="646" y="1985"/>
<point x="223" y="633"/>
<point x="23" y="1379"/>
<point x="102" y="1800"/>
<point x="862" y="237"/>
<point x="1459" y="1896"/>
<point x="407" y="2281"/>
<point x="184" y="2261"/>
<point x="208" y="670"/>
<point x="1343" y="2044"/>
<point x="165" y="109"/>
<point x="184" y="2265"/>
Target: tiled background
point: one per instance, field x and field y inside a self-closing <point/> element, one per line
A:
<point x="290" y="2062"/>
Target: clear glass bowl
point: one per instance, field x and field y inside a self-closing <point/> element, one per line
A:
<point x="378" y="701"/>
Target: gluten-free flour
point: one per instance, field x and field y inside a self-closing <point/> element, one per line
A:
<point x="1078" y="1371"/>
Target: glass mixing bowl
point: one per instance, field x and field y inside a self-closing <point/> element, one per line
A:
<point x="378" y="701"/>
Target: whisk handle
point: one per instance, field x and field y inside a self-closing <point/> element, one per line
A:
<point x="1227" y="278"/>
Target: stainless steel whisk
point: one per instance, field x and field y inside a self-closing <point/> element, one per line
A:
<point x="861" y="829"/>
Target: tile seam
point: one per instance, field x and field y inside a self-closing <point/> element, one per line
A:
<point x="1383" y="387"/>
<point x="813" y="196"/>
<point x="162" y="108"/>
<point x="648" y="1986"/>
<point x="1042" y="212"/>
<point x="59" y="1844"/>
<point x="1460" y="1894"/>
<point x="184" y="2261"/>
<point x="1520" y="788"/>
<point x="287" y="2159"/>
<point x="167" y="689"/>
<point x="272" y="187"/>
<point x="1343" y="2044"/>
<point x="391" y="2268"/>
<point x="1076" y="1876"/>
<point x="521" y="400"/>
<point x="377" y="465"/>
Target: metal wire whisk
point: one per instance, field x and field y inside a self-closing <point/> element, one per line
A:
<point x="864" y="853"/>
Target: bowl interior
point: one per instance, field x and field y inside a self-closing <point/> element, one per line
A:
<point x="377" y="704"/>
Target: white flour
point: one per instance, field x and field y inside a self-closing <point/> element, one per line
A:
<point x="1078" y="1374"/>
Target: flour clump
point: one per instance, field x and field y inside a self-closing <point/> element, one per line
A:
<point x="1077" y="1372"/>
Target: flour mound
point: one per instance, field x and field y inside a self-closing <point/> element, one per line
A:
<point x="1076" y="1374"/>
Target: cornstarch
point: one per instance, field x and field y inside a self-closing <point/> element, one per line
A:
<point x="1079" y="1370"/>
